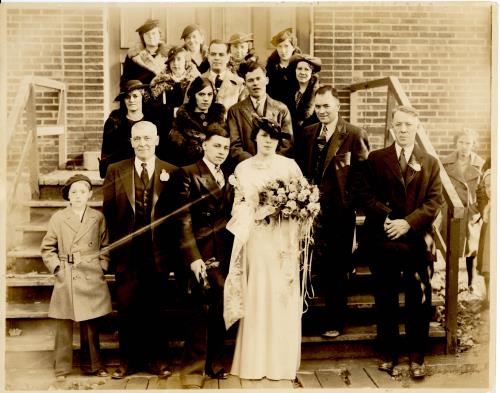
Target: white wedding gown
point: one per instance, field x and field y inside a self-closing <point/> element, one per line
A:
<point x="269" y="335"/>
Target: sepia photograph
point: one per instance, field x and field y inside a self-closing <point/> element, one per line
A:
<point x="239" y="195"/>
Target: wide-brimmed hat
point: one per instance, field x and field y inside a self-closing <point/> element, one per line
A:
<point x="70" y="181"/>
<point x="148" y="25"/>
<point x="315" y="62"/>
<point x="283" y="35"/>
<point x="240" y="38"/>
<point x="270" y="126"/>
<point x="129" y="86"/>
<point x="189" y="29"/>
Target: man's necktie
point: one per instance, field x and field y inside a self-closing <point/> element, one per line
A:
<point x="219" y="177"/>
<point x="218" y="82"/>
<point x="144" y="174"/>
<point x="321" y="141"/>
<point x="402" y="162"/>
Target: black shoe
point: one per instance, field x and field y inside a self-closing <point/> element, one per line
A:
<point x="221" y="374"/>
<point x="417" y="371"/>
<point x="102" y="372"/>
<point x="121" y="372"/>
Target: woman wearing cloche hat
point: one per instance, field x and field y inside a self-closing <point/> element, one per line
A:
<point x="305" y="82"/>
<point x="241" y="51"/>
<point x="146" y="58"/>
<point x="277" y="68"/>
<point x="194" y="42"/>
<point x="117" y="128"/>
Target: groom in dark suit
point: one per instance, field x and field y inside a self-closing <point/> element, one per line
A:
<point x="139" y="258"/>
<point x="400" y="192"/>
<point x="205" y="243"/>
<point x="329" y="153"/>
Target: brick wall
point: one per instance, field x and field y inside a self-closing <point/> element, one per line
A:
<point x="65" y="44"/>
<point x="439" y="52"/>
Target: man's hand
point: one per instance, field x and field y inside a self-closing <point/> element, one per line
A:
<point x="394" y="229"/>
<point x="199" y="269"/>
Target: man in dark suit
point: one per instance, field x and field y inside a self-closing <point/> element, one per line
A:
<point x="258" y="103"/>
<point x="328" y="153"/>
<point x="131" y="191"/>
<point x="400" y="192"/>
<point x="205" y="245"/>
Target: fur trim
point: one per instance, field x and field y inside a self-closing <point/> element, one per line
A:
<point x="305" y="109"/>
<point x="139" y="55"/>
<point x="164" y="81"/>
<point x="185" y="121"/>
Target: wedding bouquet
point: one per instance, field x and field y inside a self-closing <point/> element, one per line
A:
<point x="294" y="199"/>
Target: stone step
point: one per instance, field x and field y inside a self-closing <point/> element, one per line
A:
<point x="43" y="209"/>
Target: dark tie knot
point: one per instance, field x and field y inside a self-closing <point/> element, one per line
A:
<point x="144" y="165"/>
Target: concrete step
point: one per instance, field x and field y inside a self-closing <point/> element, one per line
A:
<point x="43" y="209"/>
<point x="51" y="183"/>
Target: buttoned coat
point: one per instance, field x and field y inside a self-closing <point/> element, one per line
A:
<point x="466" y="184"/>
<point x="80" y="289"/>
<point x="384" y="193"/>
<point x="205" y="211"/>
<point x="119" y="210"/>
<point x="346" y="150"/>
<point x="240" y="119"/>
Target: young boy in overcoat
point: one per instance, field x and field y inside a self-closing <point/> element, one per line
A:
<point x="72" y="250"/>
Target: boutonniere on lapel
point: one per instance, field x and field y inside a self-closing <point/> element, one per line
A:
<point x="414" y="164"/>
<point x="164" y="175"/>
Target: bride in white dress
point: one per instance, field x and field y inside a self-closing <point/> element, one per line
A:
<point x="263" y="286"/>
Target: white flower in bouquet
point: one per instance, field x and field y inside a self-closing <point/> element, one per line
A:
<point x="287" y="212"/>
<point x="292" y="188"/>
<point x="292" y="195"/>
<point x="291" y="205"/>
<point x="281" y="191"/>
<point x="303" y="195"/>
<point x="274" y="185"/>
<point x="314" y="197"/>
<point x="313" y="207"/>
<point x="281" y="199"/>
<point x="303" y="214"/>
<point x="303" y="182"/>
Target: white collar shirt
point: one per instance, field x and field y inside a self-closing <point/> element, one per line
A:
<point x="150" y="165"/>
<point x="408" y="151"/>
<point x="216" y="172"/>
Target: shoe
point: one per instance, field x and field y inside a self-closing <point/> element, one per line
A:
<point x="221" y="374"/>
<point x="165" y="372"/>
<point x="60" y="378"/>
<point x="102" y="372"/>
<point x="417" y="371"/>
<point x="386" y="366"/>
<point x="119" y="373"/>
<point x="331" y="334"/>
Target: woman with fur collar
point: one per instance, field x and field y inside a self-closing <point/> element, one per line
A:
<point x="168" y="89"/>
<point x="146" y="59"/>
<point x="305" y="69"/>
<point x="277" y="67"/>
<point x="184" y="146"/>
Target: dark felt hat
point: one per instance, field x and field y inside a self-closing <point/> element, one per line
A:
<point x="129" y="86"/>
<point x="189" y="29"/>
<point x="70" y="181"/>
<point x="315" y="62"/>
<point x="148" y="25"/>
<point x="283" y="35"/>
<point x="268" y="125"/>
<point x="239" y="38"/>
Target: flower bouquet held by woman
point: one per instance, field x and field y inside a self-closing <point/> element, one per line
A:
<point x="272" y="218"/>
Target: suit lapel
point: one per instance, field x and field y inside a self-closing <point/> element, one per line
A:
<point x="157" y="184"/>
<point x="71" y="220"/>
<point x="415" y="162"/>
<point x="247" y="111"/>
<point x="393" y="164"/>
<point x="338" y="138"/>
<point x="208" y="181"/>
<point x="311" y="149"/>
<point x="89" y="218"/>
<point x="127" y="178"/>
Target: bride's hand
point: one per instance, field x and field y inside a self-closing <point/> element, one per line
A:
<point x="264" y="211"/>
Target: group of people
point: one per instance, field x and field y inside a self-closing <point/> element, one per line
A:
<point x="190" y="117"/>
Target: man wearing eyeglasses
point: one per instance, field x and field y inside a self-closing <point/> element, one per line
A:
<point x="141" y="260"/>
